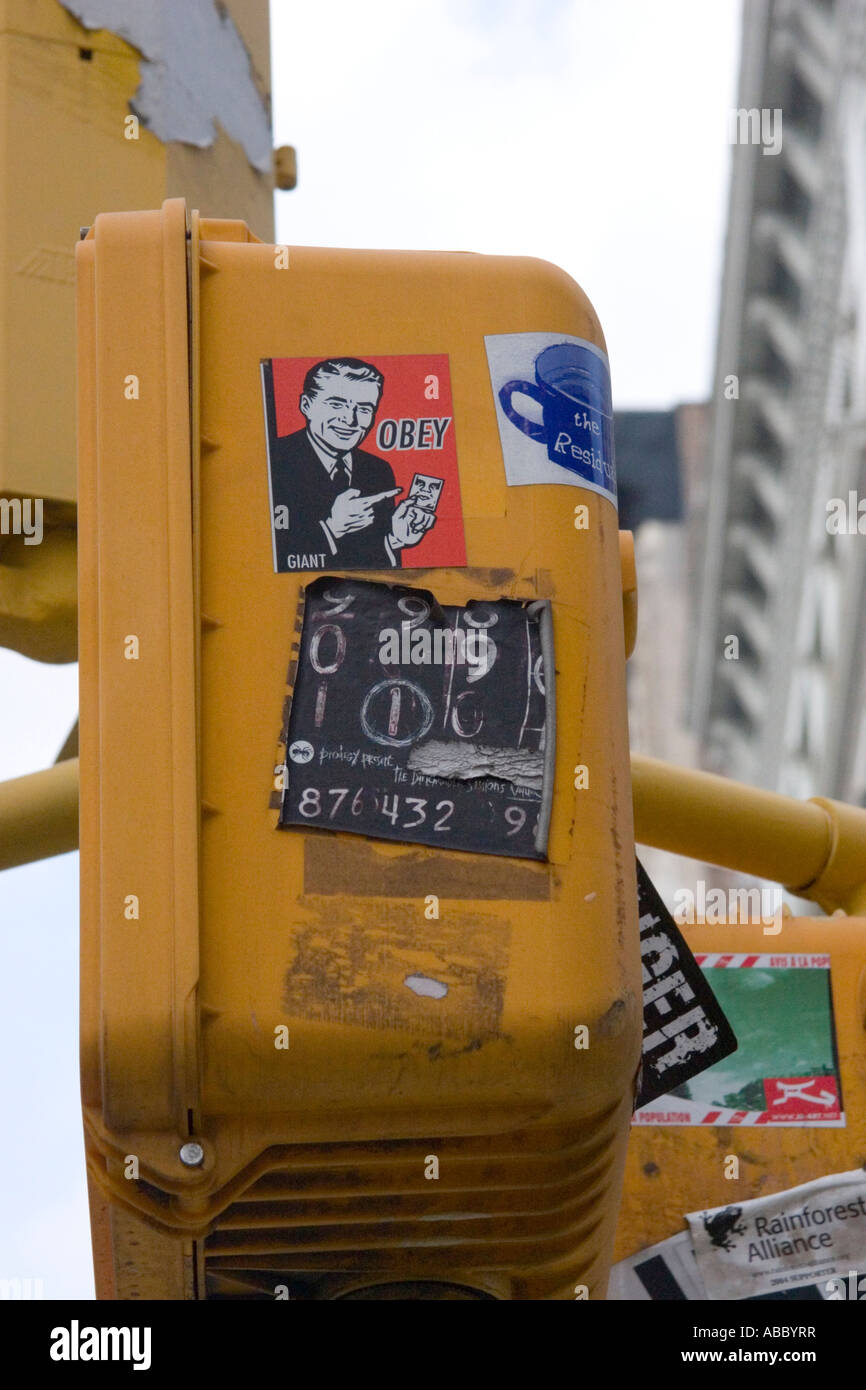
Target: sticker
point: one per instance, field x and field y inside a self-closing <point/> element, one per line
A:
<point x="554" y="411"/>
<point x="393" y="503"/>
<point x="666" y="1272"/>
<point x="428" y="724"/>
<point x="814" y="1234"/>
<point x="685" y="1030"/>
<point x="786" y="1070"/>
<point x="669" y="1272"/>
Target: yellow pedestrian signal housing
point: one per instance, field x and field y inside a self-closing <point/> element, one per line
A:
<point x="361" y="1005"/>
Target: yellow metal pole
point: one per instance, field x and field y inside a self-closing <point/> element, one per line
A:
<point x="707" y="817"/>
<point x="814" y="848"/>
<point x="39" y="815"/>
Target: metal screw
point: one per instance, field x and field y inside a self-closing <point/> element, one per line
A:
<point x="192" y="1154"/>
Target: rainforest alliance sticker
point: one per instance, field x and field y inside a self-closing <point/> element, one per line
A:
<point x="554" y="411"/>
<point x="814" y="1234"/>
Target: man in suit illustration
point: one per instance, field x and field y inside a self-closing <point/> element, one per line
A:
<point x="337" y="499"/>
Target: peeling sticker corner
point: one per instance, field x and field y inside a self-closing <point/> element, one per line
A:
<point x="436" y="758"/>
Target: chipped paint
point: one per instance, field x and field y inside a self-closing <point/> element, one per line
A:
<point x="195" y="71"/>
<point x="422" y="984"/>
<point x="614" y="1019"/>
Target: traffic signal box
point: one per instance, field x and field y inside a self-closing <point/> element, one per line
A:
<point x="324" y="1054"/>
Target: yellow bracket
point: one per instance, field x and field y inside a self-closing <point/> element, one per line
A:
<point x="38" y="596"/>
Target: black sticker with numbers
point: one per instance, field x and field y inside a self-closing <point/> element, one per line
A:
<point x="684" y="1029"/>
<point x="420" y="722"/>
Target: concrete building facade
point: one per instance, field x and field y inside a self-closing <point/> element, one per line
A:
<point x="778" y="689"/>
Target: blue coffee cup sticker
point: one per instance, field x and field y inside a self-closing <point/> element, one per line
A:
<point x="553" y="407"/>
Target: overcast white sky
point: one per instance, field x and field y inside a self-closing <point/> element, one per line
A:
<point x="587" y="132"/>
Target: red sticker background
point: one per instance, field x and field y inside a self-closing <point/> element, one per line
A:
<point x="802" y="1097"/>
<point x="411" y="381"/>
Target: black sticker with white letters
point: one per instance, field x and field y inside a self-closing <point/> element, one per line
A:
<point x="684" y="1029"/>
<point x="421" y="722"/>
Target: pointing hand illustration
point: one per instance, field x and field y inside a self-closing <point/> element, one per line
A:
<point x="352" y="512"/>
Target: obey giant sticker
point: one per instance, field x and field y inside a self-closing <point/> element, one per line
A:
<point x="362" y="463"/>
<point x="553" y="408"/>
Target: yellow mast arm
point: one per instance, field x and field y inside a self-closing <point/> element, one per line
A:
<point x="815" y="848"/>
